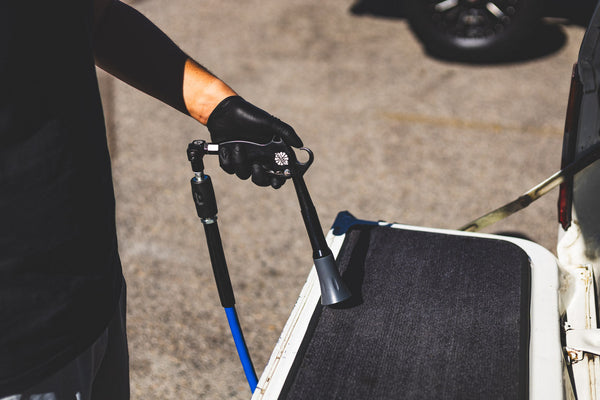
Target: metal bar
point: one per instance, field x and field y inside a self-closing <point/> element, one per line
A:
<point x="585" y="159"/>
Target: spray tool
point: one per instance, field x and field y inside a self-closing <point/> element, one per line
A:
<point x="278" y="159"/>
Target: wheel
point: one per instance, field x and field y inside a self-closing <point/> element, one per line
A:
<point x="473" y="30"/>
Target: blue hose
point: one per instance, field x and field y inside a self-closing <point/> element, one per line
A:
<point x="240" y="345"/>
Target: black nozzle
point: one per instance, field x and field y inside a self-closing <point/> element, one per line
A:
<point x="333" y="288"/>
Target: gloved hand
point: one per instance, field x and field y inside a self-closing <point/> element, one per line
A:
<point x="236" y="119"/>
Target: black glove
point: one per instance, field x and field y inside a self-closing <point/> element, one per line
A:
<point x="236" y="119"/>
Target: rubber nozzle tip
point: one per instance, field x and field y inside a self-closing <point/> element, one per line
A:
<point x="333" y="288"/>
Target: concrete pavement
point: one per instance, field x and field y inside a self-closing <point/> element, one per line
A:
<point x="397" y="136"/>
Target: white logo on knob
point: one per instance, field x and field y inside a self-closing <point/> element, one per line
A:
<point x="281" y="158"/>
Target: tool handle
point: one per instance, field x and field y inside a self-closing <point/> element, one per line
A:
<point x="276" y="157"/>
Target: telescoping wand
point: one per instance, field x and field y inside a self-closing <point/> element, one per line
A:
<point x="206" y="207"/>
<point x="280" y="160"/>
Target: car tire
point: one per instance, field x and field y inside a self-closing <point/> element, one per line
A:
<point x="473" y="30"/>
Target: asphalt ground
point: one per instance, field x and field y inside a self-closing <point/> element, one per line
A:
<point x="397" y="135"/>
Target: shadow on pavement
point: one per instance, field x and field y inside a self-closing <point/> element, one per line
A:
<point x="547" y="39"/>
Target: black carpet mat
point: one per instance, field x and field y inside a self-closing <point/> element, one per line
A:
<point x="433" y="316"/>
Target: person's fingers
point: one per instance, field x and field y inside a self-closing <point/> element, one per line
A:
<point x="277" y="182"/>
<point x="260" y="176"/>
<point x="239" y="159"/>
<point x="225" y="160"/>
<point x="233" y="160"/>
<point x="286" y="133"/>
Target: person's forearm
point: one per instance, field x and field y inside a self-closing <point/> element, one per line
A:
<point x="129" y="46"/>
<point x="202" y="91"/>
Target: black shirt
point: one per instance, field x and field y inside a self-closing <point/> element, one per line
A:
<point x="60" y="275"/>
